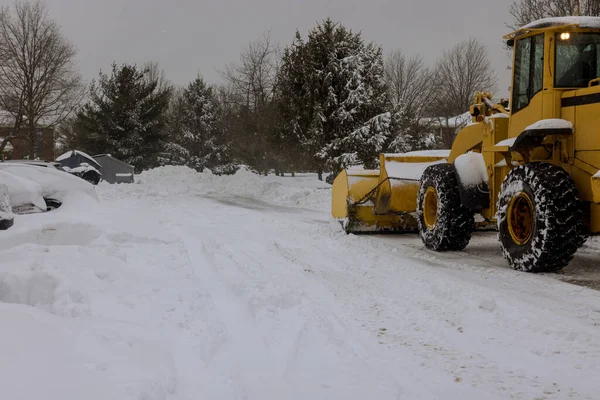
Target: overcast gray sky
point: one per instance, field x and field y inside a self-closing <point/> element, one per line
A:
<point x="190" y="36"/>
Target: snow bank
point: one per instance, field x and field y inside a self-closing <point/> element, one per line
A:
<point x="551" y="123"/>
<point x="471" y="169"/>
<point x="304" y="190"/>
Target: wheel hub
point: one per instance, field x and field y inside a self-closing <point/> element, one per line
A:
<point x="430" y="207"/>
<point x="521" y="218"/>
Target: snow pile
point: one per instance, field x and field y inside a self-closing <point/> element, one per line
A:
<point x="551" y="123"/>
<point x="471" y="169"/>
<point x="304" y="190"/>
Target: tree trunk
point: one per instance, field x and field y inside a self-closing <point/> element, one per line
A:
<point x="32" y="142"/>
<point x="293" y="174"/>
<point x="320" y="174"/>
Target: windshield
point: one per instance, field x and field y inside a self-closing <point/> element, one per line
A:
<point x="576" y="59"/>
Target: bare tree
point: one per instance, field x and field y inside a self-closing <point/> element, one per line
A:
<point x="526" y="11"/>
<point x="39" y="84"/>
<point x="410" y="91"/>
<point x="252" y="84"/>
<point x="153" y="73"/>
<point x="409" y="82"/>
<point x="459" y="73"/>
<point x="254" y="77"/>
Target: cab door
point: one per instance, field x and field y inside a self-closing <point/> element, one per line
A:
<point x="528" y="78"/>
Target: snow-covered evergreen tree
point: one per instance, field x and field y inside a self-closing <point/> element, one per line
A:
<point x="409" y="133"/>
<point x="197" y="138"/>
<point x="340" y="103"/>
<point x="125" y="116"/>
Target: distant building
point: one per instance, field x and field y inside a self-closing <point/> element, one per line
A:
<point x="115" y="170"/>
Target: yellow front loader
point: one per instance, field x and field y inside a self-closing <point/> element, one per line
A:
<point x="531" y="169"/>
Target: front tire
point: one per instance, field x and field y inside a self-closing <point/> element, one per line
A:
<point x="444" y="223"/>
<point x="540" y="221"/>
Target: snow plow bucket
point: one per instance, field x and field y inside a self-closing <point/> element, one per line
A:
<point x="381" y="200"/>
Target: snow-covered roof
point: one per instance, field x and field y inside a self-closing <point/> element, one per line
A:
<point x="100" y="156"/>
<point x="71" y="153"/>
<point x="582" y="22"/>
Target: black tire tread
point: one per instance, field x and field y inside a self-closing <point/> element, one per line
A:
<point x="455" y="222"/>
<point x="559" y="228"/>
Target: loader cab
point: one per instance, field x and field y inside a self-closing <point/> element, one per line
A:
<point x="550" y="57"/>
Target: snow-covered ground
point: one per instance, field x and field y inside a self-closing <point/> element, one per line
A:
<point x="193" y="286"/>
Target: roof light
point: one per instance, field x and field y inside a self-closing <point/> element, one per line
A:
<point x="565" y="36"/>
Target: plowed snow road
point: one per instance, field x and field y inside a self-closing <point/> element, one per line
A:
<point x="189" y="286"/>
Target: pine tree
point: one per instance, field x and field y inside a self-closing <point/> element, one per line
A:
<point x="409" y="132"/>
<point x="197" y="139"/>
<point x="334" y="95"/>
<point x="125" y="116"/>
<point x="295" y="109"/>
<point x="175" y="153"/>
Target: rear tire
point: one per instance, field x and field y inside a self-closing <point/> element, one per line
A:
<point x="545" y="238"/>
<point x="444" y="223"/>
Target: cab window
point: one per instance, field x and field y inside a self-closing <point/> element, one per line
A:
<point x="528" y="71"/>
<point x="576" y="61"/>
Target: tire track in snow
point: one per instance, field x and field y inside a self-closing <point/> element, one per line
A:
<point x="236" y="357"/>
<point x="479" y="364"/>
<point x="307" y="343"/>
<point x="319" y="294"/>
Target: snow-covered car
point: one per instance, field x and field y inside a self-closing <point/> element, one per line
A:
<point x="86" y="172"/>
<point x="6" y="215"/>
<point x="33" y="189"/>
<point x="37" y="163"/>
<point x="81" y="164"/>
